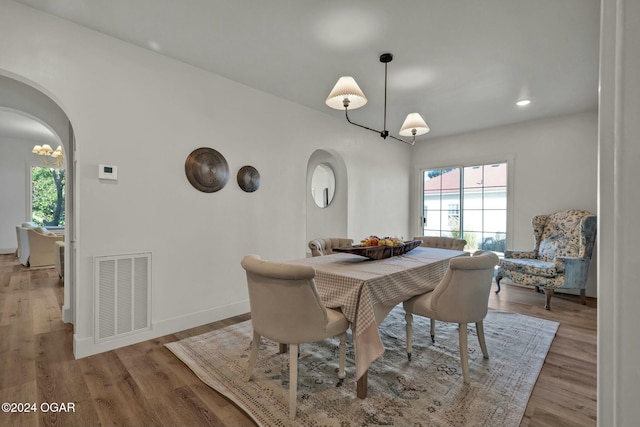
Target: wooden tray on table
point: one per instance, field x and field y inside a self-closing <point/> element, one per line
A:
<point x="380" y="252"/>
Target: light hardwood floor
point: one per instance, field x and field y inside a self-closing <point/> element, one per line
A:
<point x="145" y="385"/>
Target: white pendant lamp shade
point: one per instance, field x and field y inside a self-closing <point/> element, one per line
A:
<point x="414" y="121"/>
<point x="57" y="153"/>
<point x="346" y="88"/>
<point x="44" y="150"/>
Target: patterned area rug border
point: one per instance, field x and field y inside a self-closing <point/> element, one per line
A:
<point x="428" y="390"/>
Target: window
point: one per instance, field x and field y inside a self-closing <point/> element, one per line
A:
<point x="454" y="212"/>
<point x="468" y="202"/>
<point x="47" y="196"/>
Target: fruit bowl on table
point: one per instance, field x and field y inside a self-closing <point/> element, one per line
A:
<point x="381" y="251"/>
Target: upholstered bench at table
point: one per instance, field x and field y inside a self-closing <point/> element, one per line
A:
<point x="59" y="258"/>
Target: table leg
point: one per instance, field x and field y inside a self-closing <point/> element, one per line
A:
<point x="362" y="386"/>
<point x="283" y="348"/>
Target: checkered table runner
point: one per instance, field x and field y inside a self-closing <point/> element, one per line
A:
<point x="356" y="284"/>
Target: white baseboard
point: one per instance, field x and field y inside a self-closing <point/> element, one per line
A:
<point x="83" y="347"/>
<point x="192" y="320"/>
<point x="67" y="314"/>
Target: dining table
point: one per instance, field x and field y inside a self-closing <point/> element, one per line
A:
<point x="366" y="290"/>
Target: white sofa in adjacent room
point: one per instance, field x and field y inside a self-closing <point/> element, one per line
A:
<point x="42" y="247"/>
<point x="23" y="241"/>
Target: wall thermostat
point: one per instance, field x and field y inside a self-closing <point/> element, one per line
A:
<point x="108" y="172"/>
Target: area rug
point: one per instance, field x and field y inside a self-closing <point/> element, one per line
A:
<point x="427" y="391"/>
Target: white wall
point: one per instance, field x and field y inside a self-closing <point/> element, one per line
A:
<point x="145" y="113"/>
<point x="554" y="164"/>
<point x="384" y="186"/>
<point x="15" y="155"/>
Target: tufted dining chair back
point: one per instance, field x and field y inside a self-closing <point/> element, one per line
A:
<point x="286" y="308"/>
<point x="461" y="297"/>
<point x="442" y="242"/>
<point x="285" y="305"/>
<point x="325" y="246"/>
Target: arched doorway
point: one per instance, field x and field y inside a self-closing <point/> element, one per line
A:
<point x="24" y="99"/>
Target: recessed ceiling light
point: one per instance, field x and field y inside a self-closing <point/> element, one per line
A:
<point x="523" y="102"/>
<point x="154" y="45"/>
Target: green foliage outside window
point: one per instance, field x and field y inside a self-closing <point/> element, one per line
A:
<point x="47" y="196"/>
<point x="472" y="243"/>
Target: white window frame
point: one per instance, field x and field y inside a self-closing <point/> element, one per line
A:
<point x="509" y="159"/>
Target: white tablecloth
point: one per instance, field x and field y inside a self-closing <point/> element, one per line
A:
<point x="356" y="284"/>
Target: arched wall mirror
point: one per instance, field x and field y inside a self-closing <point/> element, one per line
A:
<point x="323" y="185"/>
<point x="332" y="220"/>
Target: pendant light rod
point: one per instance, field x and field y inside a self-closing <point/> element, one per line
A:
<point x="385" y="58"/>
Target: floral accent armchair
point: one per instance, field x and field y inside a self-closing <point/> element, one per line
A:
<point x="563" y="247"/>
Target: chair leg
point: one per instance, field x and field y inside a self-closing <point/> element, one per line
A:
<point x="583" y="297"/>
<point x="464" y="352"/>
<point x="343" y="356"/>
<point x="254" y="354"/>
<point x="293" y="379"/>
<point x="548" y="293"/>
<point x="483" y="344"/>
<point x="408" y="317"/>
<point x="498" y="279"/>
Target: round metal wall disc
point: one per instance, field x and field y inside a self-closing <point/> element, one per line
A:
<point x="207" y="170"/>
<point x="248" y="178"/>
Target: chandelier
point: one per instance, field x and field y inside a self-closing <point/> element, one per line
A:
<point x="347" y="94"/>
<point x="50" y="157"/>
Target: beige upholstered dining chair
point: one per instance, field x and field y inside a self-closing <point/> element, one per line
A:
<point x="462" y="297"/>
<point x="286" y="308"/>
<point x="325" y="246"/>
<point x="442" y="242"/>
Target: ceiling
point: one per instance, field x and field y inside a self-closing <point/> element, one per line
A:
<point x="15" y="125"/>
<point x="462" y="64"/>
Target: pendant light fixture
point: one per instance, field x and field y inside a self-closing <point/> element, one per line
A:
<point x="348" y="95"/>
<point x="47" y="152"/>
